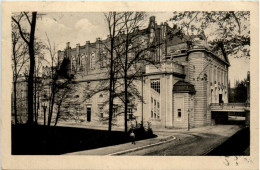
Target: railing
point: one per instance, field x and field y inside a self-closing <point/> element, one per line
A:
<point x="229" y="106"/>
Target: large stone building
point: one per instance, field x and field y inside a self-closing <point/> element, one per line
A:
<point x="177" y="91"/>
<point x="177" y="88"/>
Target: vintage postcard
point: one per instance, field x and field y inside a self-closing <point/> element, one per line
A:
<point x="130" y="85"/>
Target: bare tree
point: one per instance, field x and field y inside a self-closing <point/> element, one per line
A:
<point x="134" y="53"/>
<point x="19" y="21"/>
<point x="113" y="21"/>
<point x="19" y="59"/>
<point x="57" y="80"/>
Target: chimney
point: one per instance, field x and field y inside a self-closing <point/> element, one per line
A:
<point x="97" y="39"/>
<point x="67" y="44"/>
<point x="152" y="18"/>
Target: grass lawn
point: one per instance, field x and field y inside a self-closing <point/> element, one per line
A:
<point x="42" y="140"/>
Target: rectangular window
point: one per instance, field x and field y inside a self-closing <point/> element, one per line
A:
<point x="130" y="113"/>
<point x="115" y="110"/>
<point x="151" y="107"/>
<point x="154" y="110"/>
<point x="155" y="84"/>
<point x="179" y="113"/>
<point x="214" y="76"/>
<point x="218" y="77"/>
<point x="101" y="111"/>
<point x="225" y="78"/>
<point x="221" y="77"/>
<point x="158" y="110"/>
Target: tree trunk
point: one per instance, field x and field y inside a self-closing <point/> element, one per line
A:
<point x="125" y="79"/>
<point x="111" y="90"/>
<point x="35" y="100"/>
<point x="57" y="116"/>
<point x="31" y="71"/>
<point x="58" y="111"/>
<point x="15" y="103"/>
<point x="51" y="109"/>
<point x="126" y="104"/>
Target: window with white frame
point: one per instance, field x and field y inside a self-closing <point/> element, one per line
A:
<point x="155" y="84"/>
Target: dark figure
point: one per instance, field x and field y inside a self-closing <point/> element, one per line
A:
<point x="132" y="136"/>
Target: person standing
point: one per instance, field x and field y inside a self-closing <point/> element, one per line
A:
<point x="132" y="136"/>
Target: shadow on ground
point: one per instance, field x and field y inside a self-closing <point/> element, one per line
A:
<point x="42" y="140"/>
<point x="236" y="145"/>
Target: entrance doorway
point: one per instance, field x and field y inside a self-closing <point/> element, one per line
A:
<point x="88" y="114"/>
<point x="220" y="98"/>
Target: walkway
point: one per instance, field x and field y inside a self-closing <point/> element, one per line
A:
<point x="166" y="136"/>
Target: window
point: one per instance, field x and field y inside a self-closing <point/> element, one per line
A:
<point x="92" y="60"/>
<point x="158" y="110"/>
<point x="214" y="76"/>
<point x="103" y="59"/>
<point x="225" y="78"/>
<point x="155" y="84"/>
<point x="222" y="77"/>
<point x="179" y="113"/>
<point x="101" y="111"/>
<point x="210" y="75"/>
<point x="151" y="107"/>
<point x="130" y="113"/>
<point x="115" y="110"/>
<point x="155" y="109"/>
<point x="218" y="77"/>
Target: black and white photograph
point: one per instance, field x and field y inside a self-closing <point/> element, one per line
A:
<point x="131" y="83"/>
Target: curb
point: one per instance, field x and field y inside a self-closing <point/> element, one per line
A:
<point x="165" y="140"/>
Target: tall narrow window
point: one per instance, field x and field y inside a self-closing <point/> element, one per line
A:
<point x="214" y="76"/>
<point x="151" y="107"/>
<point x="115" y="110"/>
<point x="101" y="111"/>
<point x="154" y="111"/>
<point x="130" y="113"/>
<point x="158" y="110"/>
<point x="92" y="60"/>
<point x="179" y="113"/>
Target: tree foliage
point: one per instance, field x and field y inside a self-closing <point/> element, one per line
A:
<point x="225" y="30"/>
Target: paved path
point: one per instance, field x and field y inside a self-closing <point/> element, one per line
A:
<point x="197" y="141"/>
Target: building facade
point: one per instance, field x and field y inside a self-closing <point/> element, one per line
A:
<point x="177" y="90"/>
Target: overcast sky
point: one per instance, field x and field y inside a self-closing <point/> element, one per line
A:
<point x="81" y="27"/>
